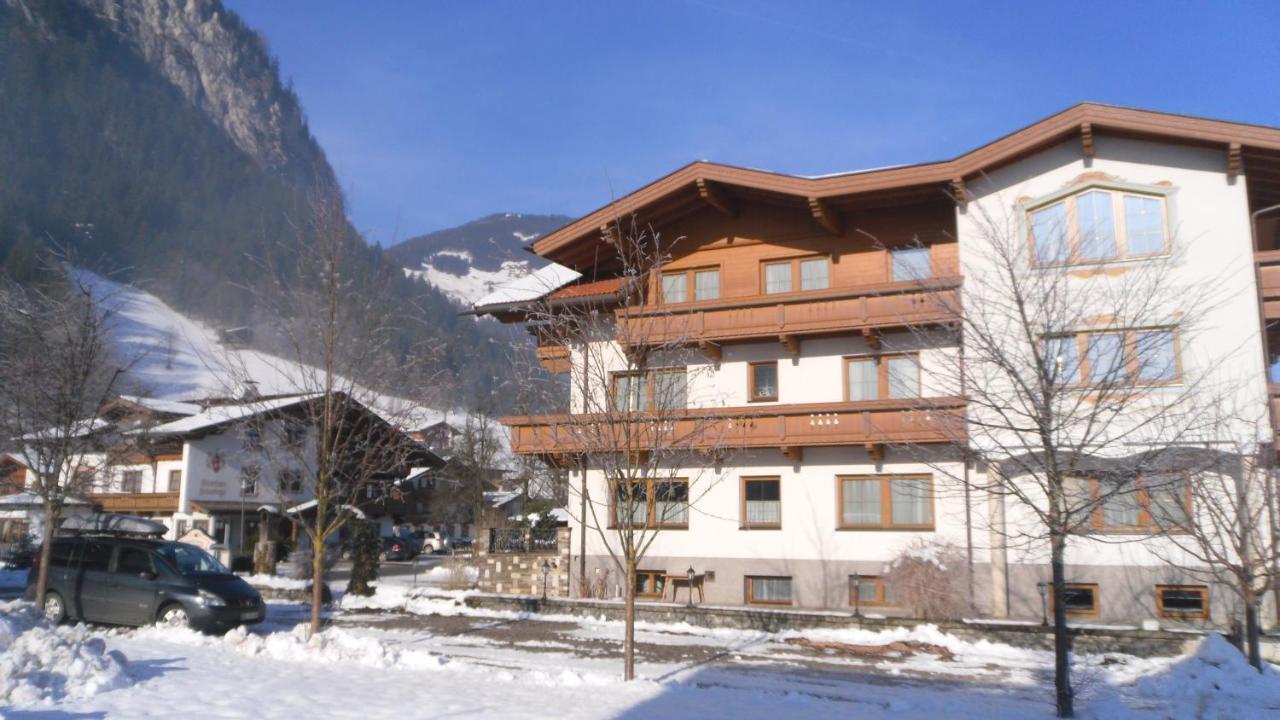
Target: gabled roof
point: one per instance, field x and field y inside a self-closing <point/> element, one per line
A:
<point x="220" y="414"/>
<point x="530" y="287"/>
<point x="702" y="177"/>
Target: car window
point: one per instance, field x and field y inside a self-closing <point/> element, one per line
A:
<point x="95" y="556"/>
<point x="61" y="553"/>
<point x="189" y="559"/>
<point x="132" y="561"/>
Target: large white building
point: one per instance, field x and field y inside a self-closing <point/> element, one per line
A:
<point x="822" y="314"/>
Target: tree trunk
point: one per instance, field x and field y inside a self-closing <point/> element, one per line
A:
<point x="317" y="583"/>
<point x="1252" y="632"/>
<point x="629" y="631"/>
<point x="46" y="552"/>
<point x="1063" y="694"/>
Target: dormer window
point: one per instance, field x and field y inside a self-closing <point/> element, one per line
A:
<point x="1099" y="224"/>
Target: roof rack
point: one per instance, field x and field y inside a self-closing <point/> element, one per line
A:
<point x="114" y="524"/>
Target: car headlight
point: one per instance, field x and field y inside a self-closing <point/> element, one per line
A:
<point x="208" y="599"/>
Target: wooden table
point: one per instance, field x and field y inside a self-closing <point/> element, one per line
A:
<point x="695" y="582"/>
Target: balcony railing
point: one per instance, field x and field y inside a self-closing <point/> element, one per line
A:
<point x="136" y="502"/>
<point x="1269" y="282"/>
<point x="554" y="358"/>
<point x="794" y="314"/>
<point x="877" y="422"/>
<point x="521" y="541"/>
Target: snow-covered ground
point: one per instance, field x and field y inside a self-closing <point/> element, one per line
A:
<point x="466" y="289"/>
<point x="443" y="659"/>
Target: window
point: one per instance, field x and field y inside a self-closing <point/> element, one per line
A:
<point x="131" y="481"/>
<point x="777" y="278"/>
<point x="706" y="285"/>
<point x="888" y="502"/>
<point x="95" y="556"/>
<point x="676" y="285"/>
<point x="880" y="377"/>
<point x="181" y="529"/>
<point x="175" y="481"/>
<point x="294" y="435"/>
<point x="1080" y="599"/>
<point x="909" y="264"/>
<point x="290" y="481"/>
<point x="249" y="480"/>
<point x="768" y="590"/>
<point x="1146" y="504"/>
<point x="783" y="276"/>
<point x="675" y="288"/>
<point x="651" y="584"/>
<point x="652" y="503"/>
<point x="1083" y="227"/>
<point x="815" y="274"/>
<point x="1189" y="602"/>
<point x="252" y="439"/>
<point x="761" y="503"/>
<point x="664" y="389"/>
<point x="133" y="561"/>
<point x="1119" y="357"/>
<point x="764" y="381"/>
<point x="867" y="591"/>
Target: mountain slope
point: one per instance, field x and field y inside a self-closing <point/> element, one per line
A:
<point x="468" y="261"/>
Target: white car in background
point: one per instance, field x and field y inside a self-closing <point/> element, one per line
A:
<point x="434" y="542"/>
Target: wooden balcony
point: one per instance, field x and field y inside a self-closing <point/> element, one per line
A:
<point x="1269" y="282"/>
<point x="794" y="315"/>
<point x="555" y="358"/>
<point x="166" y="502"/>
<point x="871" y="424"/>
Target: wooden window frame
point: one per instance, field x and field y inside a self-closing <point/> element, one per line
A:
<point x="1146" y="521"/>
<point x="654" y="577"/>
<point x="1117" y="195"/>
<point x="690" y="284"/>
<point x="751" y="381"/>
<point x="650" y="497"/>
<point x="746" y="591"/>
<point x="886" y="503"/>
<point x="125" y="481"/>
<point x="743" y="523"/>
<point x="881" y="599"/>
<point x="1161" y="612"/>
<point x="1094" y="611"/>
<point x="1132" y="362"/>
<point x="794" y="261"/>
<point x="882" y="373"/>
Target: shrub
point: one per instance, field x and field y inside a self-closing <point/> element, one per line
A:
<point x="931" y="580"/>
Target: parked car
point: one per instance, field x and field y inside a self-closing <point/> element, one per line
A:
<point x="19" y="557"/>
<point x="435" y="542"/>
<point x="462" y="543"/>
<point x="133" y="581"/>
<point x="397" y="548"/>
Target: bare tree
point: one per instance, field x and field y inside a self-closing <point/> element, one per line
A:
<point x="631" y="419"/>
<point x="1075" y="393"/>
<point x="339" y="347"/>
<point x="59" y="371"/>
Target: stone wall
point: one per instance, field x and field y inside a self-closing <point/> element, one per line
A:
<point x="520" y="573"/>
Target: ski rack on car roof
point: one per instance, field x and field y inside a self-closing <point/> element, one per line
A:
<point x="113" y="524"/>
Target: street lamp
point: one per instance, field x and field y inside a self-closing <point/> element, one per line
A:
<point x="1043" y="587"/>
<point x="857" y="594"/>
<point x="690" y="576"/>
<point x="546" y="570"/>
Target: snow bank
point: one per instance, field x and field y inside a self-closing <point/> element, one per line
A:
<point x="1214" y="681"/>
<point x="42" y="663"/>
<point x="276" y="583"/>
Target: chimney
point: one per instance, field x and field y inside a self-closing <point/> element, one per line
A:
<point x="250" y="390"/>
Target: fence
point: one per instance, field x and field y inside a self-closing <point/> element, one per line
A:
<point x="518" y="541"/>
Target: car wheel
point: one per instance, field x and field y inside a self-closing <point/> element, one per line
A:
<point x="55" y="610"/>
<point x="173" y="615"/>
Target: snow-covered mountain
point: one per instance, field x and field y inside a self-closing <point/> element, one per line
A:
<point x="467" y="262"/>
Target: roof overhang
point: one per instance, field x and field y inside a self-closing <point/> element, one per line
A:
<point x="700" y="184"/>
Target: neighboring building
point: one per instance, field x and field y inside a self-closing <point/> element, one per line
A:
<point x="438" y="437"/>
<point x="802" y="294"/>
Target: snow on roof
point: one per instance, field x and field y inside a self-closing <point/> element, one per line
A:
<point x="530" y="287"/>
<point x="220" y="414"/>
<point x="28" y="499"/>
<point x="498" y="499"/>
<point x="172" y="407"/>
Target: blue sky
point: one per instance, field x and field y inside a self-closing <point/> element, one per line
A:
<point x="436" y="113"/>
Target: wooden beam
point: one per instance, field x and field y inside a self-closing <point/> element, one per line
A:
<point x="1235" y="161"/>
<point x="710" y="349"/>
<point x="791" y="343"/>
<point x="875" y="451"/>
<point x="607" y="235"/>
<point x="793" y="453"/>
<point x="1086" y="139"/>
<point x="825" y="216"/>
<point x="959" y="193"/>
<point x="717" y="197"/>
<point x="872" y="338"/>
